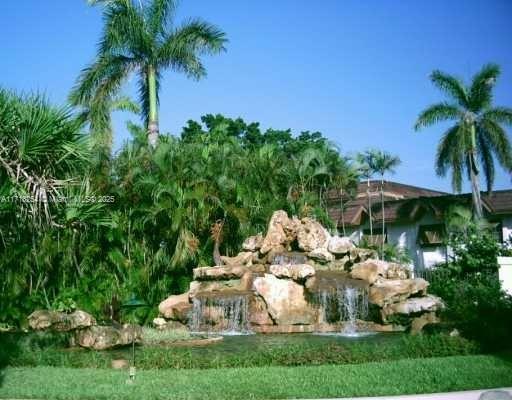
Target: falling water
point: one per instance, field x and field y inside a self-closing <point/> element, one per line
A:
<point x="226" y="314"/>
<point x="287" y="258"/>
<point x="344" y="304"/>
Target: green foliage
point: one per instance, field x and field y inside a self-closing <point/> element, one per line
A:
<point x="390" y="251"/>
<point x="469" y="285"/>
<point x="47" y="350"/>
<point x="64" y="304"/>
<point x="144" y="221"/>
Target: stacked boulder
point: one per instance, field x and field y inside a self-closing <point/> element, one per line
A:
<point x="281" y="270"/>
<point x="86" y="333"/>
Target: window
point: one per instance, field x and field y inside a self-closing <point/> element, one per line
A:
<point x="431" y="235"/>
<point x="497" y="231"/>
<point x="376" y="238"/>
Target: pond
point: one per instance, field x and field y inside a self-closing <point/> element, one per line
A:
<point x="245" y="343"/>
<point x="257" y="343"/>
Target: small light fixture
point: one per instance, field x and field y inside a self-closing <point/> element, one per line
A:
<point x="132" y="304"/>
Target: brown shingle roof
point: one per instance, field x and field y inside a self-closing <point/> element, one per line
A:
<point x="407" y="203"/>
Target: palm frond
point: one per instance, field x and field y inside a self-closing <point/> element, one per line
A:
<point x="182" y="48"/>
<point x="100" y="79"/>
<point x="124" y="29"/>
<point x="125" y="103"/>
<point x="500" y="115"/>
<point x="486" y="159"/>
<point x="382" y="162"/>
<point x="497" y="139"/>
<point x="437" y="113"/>
<point x="480" y="94"/>
<point x="451" y="86"/>
<point x="159" y="13"/>
<point x="450" y="154"/>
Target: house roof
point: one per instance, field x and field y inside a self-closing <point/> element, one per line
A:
<point x="408" y="203"/>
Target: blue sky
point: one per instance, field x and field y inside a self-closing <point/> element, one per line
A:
<point x="355" y="70"/>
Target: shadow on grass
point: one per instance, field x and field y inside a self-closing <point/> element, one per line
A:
<point x="8" y="350"/>
<point x="505" y="355"/>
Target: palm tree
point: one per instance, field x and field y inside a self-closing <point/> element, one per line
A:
<point x="344" y="181"/>
<point x="42" y="151"/>
<point x="382" y="162"/>
<point x="142" y="38"/>
<point x="365" y="170"/>
<point x="477" y="131"/>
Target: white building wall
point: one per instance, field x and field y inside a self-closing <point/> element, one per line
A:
<point x="507" y="229"/>
<point x="406" y="236"/>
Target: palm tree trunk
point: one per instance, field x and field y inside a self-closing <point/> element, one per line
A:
<point x="369" y="206"/>
<point x="153" y="112"/>
<point x="475" y="187"/>
<point x="473" y="173"/>
<point x="342" y="213"/>
<point x="383" y="216"/>
<point x="216" y="253"/>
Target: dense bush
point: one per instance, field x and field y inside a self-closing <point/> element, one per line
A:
<point x="470" y="287"/>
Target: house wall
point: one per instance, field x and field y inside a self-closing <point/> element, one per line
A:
<point x="406" y="237"/>
<point x="507" y="229"/>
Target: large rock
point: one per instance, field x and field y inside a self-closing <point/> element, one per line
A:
<point x="298" y="272"/>
<point x="322" y="255"/>
<point x="418" y="323"/>
<point x="340" y="245"/>
<point x="369" y="270"/>
<point x="312" y="235"/>
<point x="384" y="292"/>
<point x="176" y="307"/>
<point x="258" y="312"/>
<point x="243" y="258"/>
<point x="398" y="271"/>
<point x="107" y="337"/>
<point x="285" y="300"/>
<point x="59" y="321"/>
<point x="358" y="254"/>
<point x="341" y="264"/>
<point x="219" y="273"/>
<point x="253" y="243"/>
<point x="414" y="305"/>
<point x="238" y="285"/>
<point x="281" y="232"/>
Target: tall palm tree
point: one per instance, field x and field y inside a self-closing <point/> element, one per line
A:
<point x="477" y="131"/>
<point x="345" y="181"/>
<point x="382" y="162"/>
<point x="365" y="170"/>
<point x="142" y="37"/>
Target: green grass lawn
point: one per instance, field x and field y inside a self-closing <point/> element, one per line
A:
<point x="380" y="378"/>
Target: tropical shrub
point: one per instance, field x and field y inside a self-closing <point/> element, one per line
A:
<point x="469" y="285"/>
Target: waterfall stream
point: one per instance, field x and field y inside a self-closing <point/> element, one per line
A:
<point x="225" y="314"/>
<point x="344" y="304"/>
